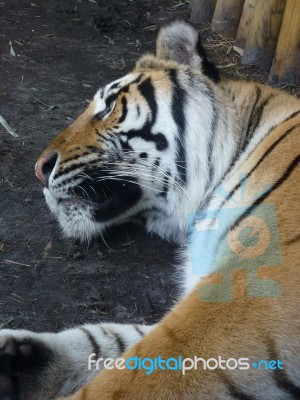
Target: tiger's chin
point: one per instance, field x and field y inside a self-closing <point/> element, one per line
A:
<point x="83" y="220"/>
<point x="75" y="217"/>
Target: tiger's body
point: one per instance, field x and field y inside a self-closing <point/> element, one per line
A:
<point x="160" y="143"/>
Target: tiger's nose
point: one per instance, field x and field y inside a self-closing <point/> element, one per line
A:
<point x="44" y="168"/>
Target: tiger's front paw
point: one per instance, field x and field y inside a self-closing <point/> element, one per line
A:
<point x="25" y="363"/>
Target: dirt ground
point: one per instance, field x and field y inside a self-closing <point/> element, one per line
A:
<point x="60" y="53"/>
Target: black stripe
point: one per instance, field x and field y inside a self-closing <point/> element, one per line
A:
<point x="111" y="98"/>
<point x="74" y="158"/>
<point x="147" y="90"/>
<point x="74" y="168"/>
<point x="124" y="110"/>
<point x="120" y="342"/>
<point x="125" y="89"/>
<point x="138" y="330"/>
<point x="270" y="149"/>
<point x="250" y="125"/>
<point x="109" y="138"/>
<point x="233" y="162"/>
<point x="83" y="164"/>
<point x="257" y="115"/>
<point x="159" y="139"/>
<point x="171" y="335"/>
<point x="91" y="150"/>
<point x="238" y="394"/>
<point x="125" y="146"/>
<point x="165" y="189"/>
<point x="211" y="145"/>
<point x="291" y="116"/>
<point x="177" y="109"/>
<point x="283" y="382"/>
<point x="295" y="239"/>
<point x="138" y="111"/>
<point x="280" y="376"/>
<point x="95" y="345"/>
<point x="155" y="164"/>
<point x="234" y="392"/>
<point x="144" y="133"/>
<point x="260" y="199"/>
<point x="115" y="85"/>
<point x="104" y="331"/>
<point x="253" y="124"/>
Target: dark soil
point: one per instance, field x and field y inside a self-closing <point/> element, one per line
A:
<point x="65" y="50"/>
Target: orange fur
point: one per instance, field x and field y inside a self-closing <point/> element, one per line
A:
<point x="244" y="327"/>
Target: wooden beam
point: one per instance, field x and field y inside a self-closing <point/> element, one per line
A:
<point x="245" y="23"/>
<point x="227" y="17"/>
<point x="286" y="64"/>
<point x="262" y="39"/>
<point x="202" y="10"/>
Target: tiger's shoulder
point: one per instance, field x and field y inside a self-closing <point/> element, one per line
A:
<point x="267" y="101"/>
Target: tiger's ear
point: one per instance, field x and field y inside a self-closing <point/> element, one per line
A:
<point x="180" y="42"/>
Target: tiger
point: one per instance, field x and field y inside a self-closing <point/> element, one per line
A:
<point x="212" y="163"/>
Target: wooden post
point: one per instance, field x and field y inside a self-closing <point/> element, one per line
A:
<point x="202" y="10"/>
<point x="261" y="43"/>
<point x="227" y="17"/>
<point x="286" y="64"/>
<point x="245" y="23"/>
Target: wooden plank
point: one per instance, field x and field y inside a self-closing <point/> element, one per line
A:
<point x="245" y="23"/>
<point x="202" y="10"/>
<point x="227" y="17"/>
<point x="262" y="39"/>
<point x="286" y="64"/>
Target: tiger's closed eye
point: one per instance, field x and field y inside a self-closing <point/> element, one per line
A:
<point x="101" y="114"/>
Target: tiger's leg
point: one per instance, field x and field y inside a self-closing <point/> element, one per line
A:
<point x="35" y="366"/>
<point x="245" y="331"/>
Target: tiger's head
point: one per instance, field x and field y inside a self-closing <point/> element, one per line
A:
<point x="129" y="153"/>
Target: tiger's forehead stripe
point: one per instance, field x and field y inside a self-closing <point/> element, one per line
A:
<point x="111" y="91"/>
